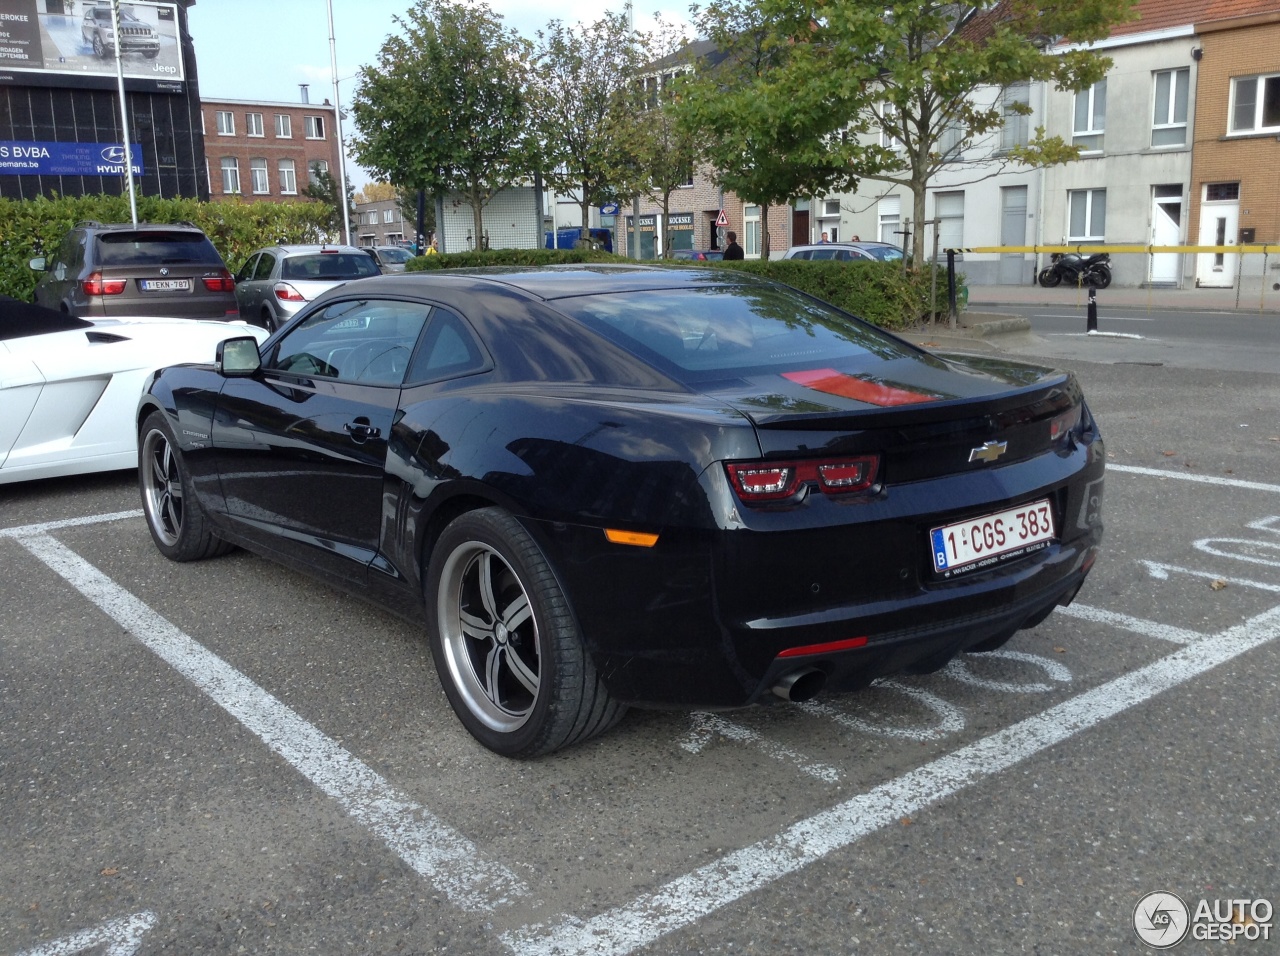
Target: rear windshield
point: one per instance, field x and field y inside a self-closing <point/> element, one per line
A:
<point x="710" y="331"/>
<point x="144" y="248"/>
<point x="883" y="253"/>
<point x="328" y="266"/>
<point x="395" y="255"/>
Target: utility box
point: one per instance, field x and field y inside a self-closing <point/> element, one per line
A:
<point x="1246" y="235"/>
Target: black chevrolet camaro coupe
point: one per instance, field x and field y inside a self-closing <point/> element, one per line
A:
<point x="605" y="486"/>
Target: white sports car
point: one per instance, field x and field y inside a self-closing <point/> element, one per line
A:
<point x="69" y="387"/>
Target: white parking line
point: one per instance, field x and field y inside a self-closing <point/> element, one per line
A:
<point x="706" y="726"/>
<point x="1162" y="632"/>
<point x="707" y="889"/>
<point x="440" y="854"/>
<point x="122" y="937"/>
<point x="1184" y="476"/>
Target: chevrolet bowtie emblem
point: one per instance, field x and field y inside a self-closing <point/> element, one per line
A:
<point x="990" y="451"/>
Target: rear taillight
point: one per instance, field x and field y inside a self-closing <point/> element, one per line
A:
<point x="96" y="285"/>
<point x="1065" y="423"/>
<point x="222" y="282"/>
<point x="287" y="293"/>
<point x="760" y="481"/>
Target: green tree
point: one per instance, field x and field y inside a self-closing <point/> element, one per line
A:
<point x="768" y="139"/>
<point x="583" y="91"/>
<point x="910" y="69"/>
<point x="445" y="108"/>
<point x="663" y="151"/>
<point x="323" y="188"/>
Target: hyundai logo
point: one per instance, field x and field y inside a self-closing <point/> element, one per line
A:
<point x="113" y="155"/>
<point x="989" y="451"/>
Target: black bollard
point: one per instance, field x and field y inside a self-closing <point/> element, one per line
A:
<point x="1093" y="308"/>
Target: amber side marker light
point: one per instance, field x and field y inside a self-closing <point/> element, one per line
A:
<point x="639" y="538"/>
<point x="829" y="648"/>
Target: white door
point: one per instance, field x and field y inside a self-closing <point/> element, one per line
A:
<point x="1219" y="221"/>
<point x="1166" y="230"/>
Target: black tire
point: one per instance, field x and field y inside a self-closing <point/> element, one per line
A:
<point x="1099" y="277"/>
<point x="175" y="517"/>
<point x="99" y="48"/>
<point x="1049" y="277"/>
<point x="506" y="643"/>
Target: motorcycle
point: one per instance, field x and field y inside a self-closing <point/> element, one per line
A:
<point x="1094" y="270"/>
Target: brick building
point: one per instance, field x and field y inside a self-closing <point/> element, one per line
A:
<point x="380" y="223"/>
<point x="260" y="150"/>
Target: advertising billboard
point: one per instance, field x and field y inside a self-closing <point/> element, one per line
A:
<point x="66" y="159"/>
<point x="72" y="43"/>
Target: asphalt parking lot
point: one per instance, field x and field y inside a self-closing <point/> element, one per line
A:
<point x="224" y="757"/>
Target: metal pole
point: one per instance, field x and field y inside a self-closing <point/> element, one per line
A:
<point x="1093" y="308"/>
<point x="951" y="288"/>
<point x="124" y="113"/>
<point x="337" y="115"/>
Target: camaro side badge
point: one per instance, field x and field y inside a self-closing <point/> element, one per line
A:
<point x="989" y="451"/>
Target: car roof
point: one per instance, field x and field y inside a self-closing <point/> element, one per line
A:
<point x="550" y="282"/>
<point x="303" y="249"/>
<point x="860" y="244"/>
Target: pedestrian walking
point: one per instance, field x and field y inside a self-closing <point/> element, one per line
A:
<point x="733" y="250"/>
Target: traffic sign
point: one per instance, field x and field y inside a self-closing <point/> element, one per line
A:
<point x="722" y="219"/>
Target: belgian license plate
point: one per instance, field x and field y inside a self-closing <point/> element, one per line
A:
<point x="165" y="285"/>
<point x="991" y="539"/>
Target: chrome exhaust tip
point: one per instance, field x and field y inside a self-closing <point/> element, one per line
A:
<point x="799" y="686"/>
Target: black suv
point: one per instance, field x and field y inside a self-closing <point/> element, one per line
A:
<point x="148" y="269"/>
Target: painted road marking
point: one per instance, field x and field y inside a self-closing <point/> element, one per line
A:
<point x="1161" y="573"/>
<point x="709" y="888"/>
<point x="950" y="717"/>
<point x="1162" y="632"/>
<point x="122" y="937"/>
<point x="1182" y="476"/>
<point x="440" y="854"/>
<point x="707" y="726"/>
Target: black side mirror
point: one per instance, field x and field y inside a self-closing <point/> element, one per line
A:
<point x="238" y="357"/>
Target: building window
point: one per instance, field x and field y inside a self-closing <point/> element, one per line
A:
<point x="1169" y="122"/>
<point x="313" y="127"/>
<point x="288" y="178"/>
<point x="253" y="124"/>
<point x="889" y="213"/>
<point x="1088" y="212"/>
<point x="951" y="142"/>
<point x="284" y="126"/>
<point x="751" y="232"/>
<point x="890" y="116"/>
<point x="1255" y="104"/>
<point x="1222" y="192"/>
<point x="226" y="122"/>
<point x="318" y="166"/>
<point x="1014" y="103"/>
<point x="258" y="176"/>
<point x="948" y="209"/>
<point x="1091" y="117"/>
<point x="386" y="215"/>
<point x="230" y="175"/>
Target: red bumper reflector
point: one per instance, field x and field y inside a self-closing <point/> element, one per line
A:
<point x="828" y="648"/>
<point x="639" y="538"/>
<point x="847" y="386"/>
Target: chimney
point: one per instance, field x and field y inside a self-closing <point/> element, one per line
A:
<point x="305" y="96"/>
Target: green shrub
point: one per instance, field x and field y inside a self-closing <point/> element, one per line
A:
<point x="877" y="291"/>
<point x="36" y="227"/>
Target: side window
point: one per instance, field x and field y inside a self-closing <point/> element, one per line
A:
<point x="246" y="270"/>
<point x="366" y="341"/>
<point x="449" y="349"/>
<point x="266" y="262"/>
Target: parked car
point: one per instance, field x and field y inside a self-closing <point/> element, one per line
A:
<point x="275" y="282"/>
<point x="567" y="238"/>
<point x="69" y="387"/>
<point x="699" y="255"/>
<point x="847" y="252"/>
<point x="169" y="269"/>
<point x="136" y="35"/>
<point x="389" y="258"/>
<point x="613" y="485"/>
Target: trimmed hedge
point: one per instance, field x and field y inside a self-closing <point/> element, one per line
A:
<point x="36" y="227"/>
<point x="877" y="291"/>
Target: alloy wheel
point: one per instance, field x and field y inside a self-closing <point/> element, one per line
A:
<point x="162" y="487"/>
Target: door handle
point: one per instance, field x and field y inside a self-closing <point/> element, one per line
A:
<point x="361" y="430"/>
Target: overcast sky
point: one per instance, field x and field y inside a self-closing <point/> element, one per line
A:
<point x="262" y="49"/>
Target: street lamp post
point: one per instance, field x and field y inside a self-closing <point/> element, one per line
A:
<point x="124" y="113"/>
<point x="342" y="149"/>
